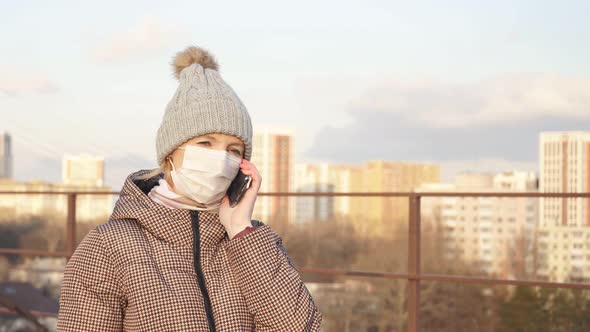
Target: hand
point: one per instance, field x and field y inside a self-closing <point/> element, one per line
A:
<point x="236" y="219"/>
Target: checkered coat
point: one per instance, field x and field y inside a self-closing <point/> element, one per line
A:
<point x="151" y="268"/>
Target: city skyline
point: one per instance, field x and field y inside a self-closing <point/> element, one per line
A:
<point x="123" y="166"/>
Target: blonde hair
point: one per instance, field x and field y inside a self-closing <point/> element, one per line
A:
<point x="164" y="168"/>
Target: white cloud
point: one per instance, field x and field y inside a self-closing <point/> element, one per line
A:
<point x="15" y="82"/>
<point x="504" y="99"/>
<point x="148" y="36"/>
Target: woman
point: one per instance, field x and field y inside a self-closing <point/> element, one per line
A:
<point x="174" y="256"/>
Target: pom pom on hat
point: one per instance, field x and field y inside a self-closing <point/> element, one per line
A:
<point x="190" y="55"/>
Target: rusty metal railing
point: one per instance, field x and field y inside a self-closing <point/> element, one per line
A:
<point x="414" y="275"/>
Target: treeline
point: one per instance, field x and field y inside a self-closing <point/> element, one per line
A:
<point x="46" y="233"/>
<point x="378" y="304"/>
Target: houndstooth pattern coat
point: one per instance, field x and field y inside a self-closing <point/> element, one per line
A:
<point x="151" y="268"/>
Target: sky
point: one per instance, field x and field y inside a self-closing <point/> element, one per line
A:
<point x="465" y="84"/>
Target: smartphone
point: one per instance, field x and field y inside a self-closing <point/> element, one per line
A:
<point x="237" y="188"/>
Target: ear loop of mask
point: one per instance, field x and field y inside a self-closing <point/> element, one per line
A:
<point x="171" y="163"/>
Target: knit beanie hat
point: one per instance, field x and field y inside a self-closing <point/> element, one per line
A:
<point x="203" y="104"/>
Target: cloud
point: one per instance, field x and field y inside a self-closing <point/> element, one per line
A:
<point x="498" y="119"/>
<point x="148" y="36"/>
<point x="13" y="83"/>
<point x="383" y="135"/>
<point x="503" y="99"/>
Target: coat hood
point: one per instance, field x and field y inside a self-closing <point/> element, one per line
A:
<point x="171" y="225"/>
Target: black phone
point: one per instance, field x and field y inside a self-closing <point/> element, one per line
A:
<point x="238" y="187"/>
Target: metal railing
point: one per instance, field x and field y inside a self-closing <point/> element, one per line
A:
<point x="413" y="276"/>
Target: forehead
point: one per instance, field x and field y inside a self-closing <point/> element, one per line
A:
<point x="229" y="139"/>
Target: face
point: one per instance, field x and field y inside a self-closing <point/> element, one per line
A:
<point x="233" y="145"/>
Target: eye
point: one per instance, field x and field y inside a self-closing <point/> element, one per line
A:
<point x="237" y="152"/>
<point x="204" y="143"/>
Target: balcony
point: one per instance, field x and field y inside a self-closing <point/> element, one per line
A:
<point x="411" y="296"/>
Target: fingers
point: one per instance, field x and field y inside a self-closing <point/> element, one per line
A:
<point x="247" y="166"/>
<point x="249" y="169"/>
<point x="251" y="194"/>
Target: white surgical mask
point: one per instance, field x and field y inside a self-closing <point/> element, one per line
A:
<point x="205" y="175"/>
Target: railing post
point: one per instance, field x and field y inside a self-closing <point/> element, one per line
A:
<point x="71" y="225"/>
<point x="414" y="263"/>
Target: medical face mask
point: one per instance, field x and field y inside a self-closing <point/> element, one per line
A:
<point x="205" y="175"/>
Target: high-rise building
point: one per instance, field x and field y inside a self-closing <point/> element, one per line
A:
<point x="565" y="168"/>
<point x="369" y="215"/>
<point x="325" y="178"/>
<point x="83" y="170"/>
<point x="564" y="232"/>
<point x="493" y="234"/>
<point x="272" y="153"/>
<point x="383" y="214"/>
<point x="313" y="179"/>
<point x="5" y="156"/>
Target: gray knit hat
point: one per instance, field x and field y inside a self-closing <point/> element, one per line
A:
<point x="203" y="104"/>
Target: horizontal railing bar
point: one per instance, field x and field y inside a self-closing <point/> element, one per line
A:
<point x="60" y="192"/>
<point x="371" y="274"/>
<point x="32" y="312"/>
<point x="447" y="278"/>
<point x="346" y="194"/>
<point x="501" y="194"/>
<point x="31" y="252"/>
<point x="435" y="194"/>
<point x="333" y="194"/>
<point x="491" y="281"/>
